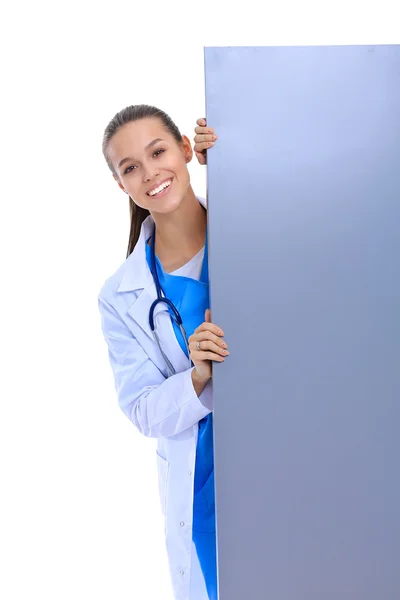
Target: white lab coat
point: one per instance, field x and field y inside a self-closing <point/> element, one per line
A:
<point x="162" y="407"/>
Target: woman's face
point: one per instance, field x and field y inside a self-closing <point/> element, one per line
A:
<point x="151" y="165"/>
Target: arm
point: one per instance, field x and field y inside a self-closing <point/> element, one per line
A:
<point x="157" y="406"/>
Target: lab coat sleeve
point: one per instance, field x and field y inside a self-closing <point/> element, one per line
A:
<point x="157" y="406"/>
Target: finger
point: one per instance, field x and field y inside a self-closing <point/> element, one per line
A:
<point x="203" y="130"/>
<point x="200" y="356"/>
<point x="203" y="146"/>
<point x="202" y="122"/>
<point x="200" y="138"/>
<point x="208" y="345"/>
<point x="206" y="336"/>
<point x="210" y="327"/>
<point x="207" y="316"/>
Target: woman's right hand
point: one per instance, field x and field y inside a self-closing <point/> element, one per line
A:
<point x="207" y="345"/>
<point x="203" y="140"/>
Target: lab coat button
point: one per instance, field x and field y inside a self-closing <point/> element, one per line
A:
<point x="182" y="572"/>
<point x="190" y="472"/>
<point x="182" y="523"/>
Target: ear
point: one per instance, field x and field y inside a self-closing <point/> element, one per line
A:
<point x="187" y="148"/>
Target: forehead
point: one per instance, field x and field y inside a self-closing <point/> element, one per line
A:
<point x="132" y="138"/>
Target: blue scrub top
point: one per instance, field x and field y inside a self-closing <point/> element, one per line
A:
<point x="191" y="298"/>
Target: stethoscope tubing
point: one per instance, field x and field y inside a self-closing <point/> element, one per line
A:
<point x="162" y="299"/>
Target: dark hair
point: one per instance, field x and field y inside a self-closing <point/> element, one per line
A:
<point x="128" y="114"/>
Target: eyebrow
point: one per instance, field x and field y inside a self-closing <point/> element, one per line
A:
<point x="150" y="145"/>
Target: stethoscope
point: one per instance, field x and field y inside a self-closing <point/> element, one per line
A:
<point x="162" y="299"/>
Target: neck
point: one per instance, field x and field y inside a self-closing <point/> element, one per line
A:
<point x="181" y="234"/>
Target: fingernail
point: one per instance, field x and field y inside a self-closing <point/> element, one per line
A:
<point x="214" y="137"/>
<point x="223" y="344"/>
<point x="220" y="332"/>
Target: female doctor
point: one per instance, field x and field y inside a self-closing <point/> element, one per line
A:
<point x="161" y="341"/>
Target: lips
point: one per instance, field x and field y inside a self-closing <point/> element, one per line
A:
<point x="159" y="188"/>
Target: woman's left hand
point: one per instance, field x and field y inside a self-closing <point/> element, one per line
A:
<point x="203" y="140"/>
<point x="206" y="344"/>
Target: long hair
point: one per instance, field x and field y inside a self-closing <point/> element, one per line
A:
<point x="135" y="113"/>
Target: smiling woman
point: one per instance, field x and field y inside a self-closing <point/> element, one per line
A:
<point x="156" y="299"/>
<point x="147" y="150"/>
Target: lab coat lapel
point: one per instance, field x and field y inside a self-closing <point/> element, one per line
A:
<point x="137" y="278"/>
<point x="139" y="311"/>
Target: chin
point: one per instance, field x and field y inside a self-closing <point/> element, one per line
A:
<point x="169" y="205"/>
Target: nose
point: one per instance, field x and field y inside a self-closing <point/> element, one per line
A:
<point x="150" y="171"/>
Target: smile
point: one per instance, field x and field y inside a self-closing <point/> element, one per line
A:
<point x="156" y="191"/>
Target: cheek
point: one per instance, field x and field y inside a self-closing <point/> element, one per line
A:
<point x="135" y="191"/>
<point x="182" y="171"/>
<point x="132" y="184"/>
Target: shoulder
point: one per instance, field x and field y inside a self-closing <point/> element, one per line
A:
<point x="110" y="286"/>
<point x="132" y="274"/>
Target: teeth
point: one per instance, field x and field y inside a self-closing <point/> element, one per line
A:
<point x="160" y="188"/>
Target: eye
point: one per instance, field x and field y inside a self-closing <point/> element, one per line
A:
<point x="158" y="152"/>
<point x="127" y="170"/>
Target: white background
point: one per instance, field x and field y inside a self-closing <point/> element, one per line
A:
<point x="80" y="516"/>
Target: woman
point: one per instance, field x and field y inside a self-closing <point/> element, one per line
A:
<point x="161" y="352"/>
